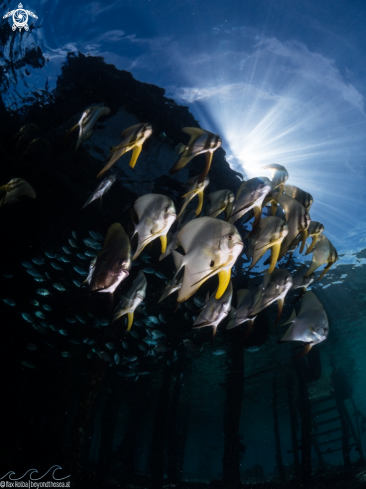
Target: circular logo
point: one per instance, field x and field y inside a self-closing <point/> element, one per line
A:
<point x="20" y="18"/>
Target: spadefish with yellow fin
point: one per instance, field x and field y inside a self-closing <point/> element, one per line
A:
<point x="310" y="326"/>
<point x="269" y="234"/>
<point x="215" y="310"/>
<point x="88" y="121"/>
<point x="156" y="214"/>
<point x="194" y="188"/>
<point x="323" y="252"/>
<point x="133" y="139"/>
<point x="211" y="247"/>
<point x="132" y="300"/>
<point x="201" y="141"/>
<point x="220" y="201"/>
<point x="279" y="177"/>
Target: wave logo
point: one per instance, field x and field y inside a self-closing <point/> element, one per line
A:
<point x="20" y="18"/>
<point x="30" y="473"/>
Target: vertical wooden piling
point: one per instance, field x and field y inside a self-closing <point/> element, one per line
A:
<point x="234" y="401"/>
<point x="305" y="415"/>
<point x="294" y="426"/>
<point x="280" y="466"/>
<point x="159" y="431"/>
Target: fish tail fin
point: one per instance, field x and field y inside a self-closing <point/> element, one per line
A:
<point x="135" y="154"/>
<point x="280" y="303"/>
<point x="87" y="203"/>
<point x="248" y="329"/>
<point x="178" y="259"/>
<point x="325" y="271"/>
<point x="314" y="265"/>
<point x="304" y="351"/>
<point x="302" y="292"/>
<point x="118" y="315"/>
<point x="181" y="163"/>
<point x="214" y="330"/>
<point x="291" y="318"/>
<point x="116" y="156"/>
<point x="71" y="131"/>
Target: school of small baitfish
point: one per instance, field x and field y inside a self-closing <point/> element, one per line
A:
<point x="211" y="247"/>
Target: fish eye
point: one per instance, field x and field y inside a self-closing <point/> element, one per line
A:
<point x="166" y="209"/>
<point x="230" y="237"/>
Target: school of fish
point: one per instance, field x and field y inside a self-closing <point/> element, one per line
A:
<point x="202" y="242"/>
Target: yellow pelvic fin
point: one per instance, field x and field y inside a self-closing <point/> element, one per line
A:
<point x="325" y="271"/>
<point x="163" y="240"/>
<point x="200" y="203"/>
<point x="130" y="320"/>
<point x="313" y="243"/>
<point x="224" y="279"/>
<point x="135" y="154"/>
<point x="209" y="155"/>
<point x="275" y="251"/>
<point x="194" y="192"/>
<point x="304" y="236"/>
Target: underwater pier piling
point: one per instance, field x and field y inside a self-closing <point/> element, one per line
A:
<point x="109" y="423"/>
<point x="159" y="430"/>
<point x="279" y="461"/>
<point x="293" y="424"/>
<point x="83" y="417"/>
<point x="174" y="437"/>
<point x="305" y="416"/>
<point x="342" y="392"/>
<point x="126" y="451"/>
<point x="234" y="389"/>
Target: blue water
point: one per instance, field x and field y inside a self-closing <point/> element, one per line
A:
<point x="280" y="83"/>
